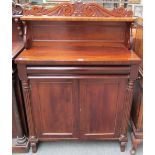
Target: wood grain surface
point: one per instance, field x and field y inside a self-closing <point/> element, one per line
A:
<point x="77" y="55"/>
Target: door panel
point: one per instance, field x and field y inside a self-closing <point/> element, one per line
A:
<point x="55" y="107"/>
<point x="99" y="105"/>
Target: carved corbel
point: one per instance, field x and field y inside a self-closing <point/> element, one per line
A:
<point x="138" y="23"/>
<point x="19" y="26"/>
<point x="17" y="11"/>
<point x="26" y="35"/>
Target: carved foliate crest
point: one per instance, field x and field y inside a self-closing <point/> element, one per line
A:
<point x="76" y="9"/>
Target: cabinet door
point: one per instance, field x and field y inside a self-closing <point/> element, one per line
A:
<point x="55" y="107"/>
<point x="101" y="101"/>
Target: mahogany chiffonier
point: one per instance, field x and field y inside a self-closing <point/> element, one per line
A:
<point x="137" y="106"/>
<point x="19" y="126"/>
<point x="77" y="72"/>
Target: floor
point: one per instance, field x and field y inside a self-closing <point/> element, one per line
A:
<point x="83" y="148"/>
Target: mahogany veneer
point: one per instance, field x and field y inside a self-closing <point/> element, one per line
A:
<point x="77" y="78"/>
<point x="60" y="54"/>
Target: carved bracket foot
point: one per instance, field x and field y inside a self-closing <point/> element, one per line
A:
<point x="123" y="142"/>
<point x="19" y="26"/>
<point x="34" y="147"/>
<point x="135" y="143"/>
<point x="123" y="146"/>
<point x="34" y="144"/>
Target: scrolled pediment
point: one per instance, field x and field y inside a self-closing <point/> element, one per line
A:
<point x="77" y="9"/>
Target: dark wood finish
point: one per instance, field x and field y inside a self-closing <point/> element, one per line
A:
<point x="73" y="55"/>
<point x="60" y="120"/>
<point x="20" y="142"/>
<point x="137" y="106"/>
<point x="77" y="78"/>
<point x="39" y="33"/>
<point x="96" y="112"/>
<point x="49" y="89"/>
<point x="72" y="31"/>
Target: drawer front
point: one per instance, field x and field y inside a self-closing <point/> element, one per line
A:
<point x="52" y="70"/>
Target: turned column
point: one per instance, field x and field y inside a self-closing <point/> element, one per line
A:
<point x="32" y="138"/>
<point x="127" y="107"/>
<point x="27" y="99"/>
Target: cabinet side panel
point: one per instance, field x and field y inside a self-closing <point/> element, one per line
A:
<point x="137" y="107"/>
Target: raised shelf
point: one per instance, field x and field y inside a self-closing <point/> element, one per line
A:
<point x="55" y="18"/>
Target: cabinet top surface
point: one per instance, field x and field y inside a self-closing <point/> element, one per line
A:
<point x="61" y="54"/>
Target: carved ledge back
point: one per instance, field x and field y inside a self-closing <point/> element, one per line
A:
<point x="77" y="9"/>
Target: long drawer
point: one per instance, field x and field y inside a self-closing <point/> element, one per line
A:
<point x="76" y="70"/>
